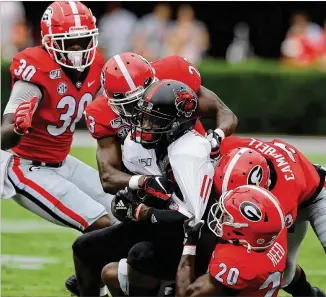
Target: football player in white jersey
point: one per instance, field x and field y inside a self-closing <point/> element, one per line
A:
<point x="162" y="143"/>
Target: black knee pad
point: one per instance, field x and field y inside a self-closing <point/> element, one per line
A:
<point x="141" y="257"/>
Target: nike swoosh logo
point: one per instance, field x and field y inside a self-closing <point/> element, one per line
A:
<point x="158" y="181"/>
<point x="89" y="84"/>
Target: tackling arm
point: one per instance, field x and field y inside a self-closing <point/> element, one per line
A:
<point x="203" y="286"/>
<point x="212" y="106"/>
<point x="108" y="157"/>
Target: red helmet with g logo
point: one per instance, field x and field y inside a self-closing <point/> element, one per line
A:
<point x="69" y="34"/>
<point x="241" y="166"/>
<point x="248" y="215"/>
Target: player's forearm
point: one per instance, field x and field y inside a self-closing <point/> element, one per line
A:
<point x="114" y="180"/>
<point x="185" y="275"/>
<point x="226" y="120"/>
<point x="212" y="106"/>
<point x="171" y="217"/>
<point x="9" y="138"/>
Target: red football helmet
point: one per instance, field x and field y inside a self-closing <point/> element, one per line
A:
<point x="247" y="215"/>
<point x="124" y="79"/>
<point x="241" y="166"/>
<point x="69" y="34"/>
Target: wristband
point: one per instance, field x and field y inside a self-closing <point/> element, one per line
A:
<point x="138" y="211"/>
<point x="134" y="182"/>
<point x="189" y="250"/>
<point x="220" y="133"/>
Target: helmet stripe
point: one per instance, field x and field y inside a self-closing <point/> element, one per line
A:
<point x="228" y="172"/>
<point x="125" y="72"/>
<point x="74" y="9"/>
<point x="271" y="198"/>
<point x="153" y="90"/>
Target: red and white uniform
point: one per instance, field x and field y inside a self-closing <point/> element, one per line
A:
<point x="61" y="107"/>
<point x="251" y="273"/>
<point x="297" y="179"/>
<point x="103" y="122"/>
<point x="296" y="182"/>
<point x="71" y="194"/>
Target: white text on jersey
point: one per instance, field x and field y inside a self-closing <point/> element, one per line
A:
<point x="276" y="253"/>
<point x="266" y="149"/>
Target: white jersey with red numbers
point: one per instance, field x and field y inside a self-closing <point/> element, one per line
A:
<point x="103" y="122"/>
<point x="251" y="273"/>
<point x="192" y="169"/>
<point x="60" y="108"/>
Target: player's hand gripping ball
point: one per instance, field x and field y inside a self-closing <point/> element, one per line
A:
<point x="124" y="204"/>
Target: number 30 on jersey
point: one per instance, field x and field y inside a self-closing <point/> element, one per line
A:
<point x="67" y="117"/>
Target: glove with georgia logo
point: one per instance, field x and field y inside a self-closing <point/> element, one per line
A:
<point x="124" y="204"/>
<point x="215" y="138"/>
<point x="24" y="115"/>
<point x="154" y="185"/>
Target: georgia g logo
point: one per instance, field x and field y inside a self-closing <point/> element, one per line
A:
<point x="255" y="176"/>
<point x="250" y="211"/>
<point x="186" y="102"/>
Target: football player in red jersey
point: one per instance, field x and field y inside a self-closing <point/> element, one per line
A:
<point x="252" y="257"/>
<point x="51" y="85"/>
<point x="125" y="77"/>
<point x="288" y="174"/>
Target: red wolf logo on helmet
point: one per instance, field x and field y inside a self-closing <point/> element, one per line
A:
<point x="186" y="101"/>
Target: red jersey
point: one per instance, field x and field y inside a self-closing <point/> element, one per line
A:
<point x="61" y="107"/>
<point x="103" y="122"/>
<point x="251" y="273"/>
<point x="296" y="178"/>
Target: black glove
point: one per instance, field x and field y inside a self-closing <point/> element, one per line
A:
<point x="124" y="204"/>
<point x="192" y="231"/>
<point x="215" y="140"/>
<point x="158" y="186"/>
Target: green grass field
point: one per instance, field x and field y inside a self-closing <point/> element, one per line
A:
<point x="36" y="255"/>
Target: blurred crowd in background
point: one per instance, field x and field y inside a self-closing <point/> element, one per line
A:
<point x="157" y="34"/>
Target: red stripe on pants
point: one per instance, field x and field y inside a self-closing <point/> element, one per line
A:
<point x="53" y="200"/>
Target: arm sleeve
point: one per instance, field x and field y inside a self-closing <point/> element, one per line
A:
<point x="193" y="172"/>
<point x="22" y="91"/>
<point x="165" y="216"/>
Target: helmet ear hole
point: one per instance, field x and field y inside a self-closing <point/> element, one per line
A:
<point x="266" y="218"/>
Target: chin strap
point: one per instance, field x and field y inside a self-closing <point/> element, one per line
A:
<point x="76" y="60"/>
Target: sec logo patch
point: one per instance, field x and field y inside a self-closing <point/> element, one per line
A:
<point x="62" y="88"/>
